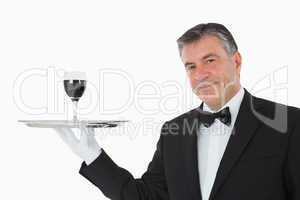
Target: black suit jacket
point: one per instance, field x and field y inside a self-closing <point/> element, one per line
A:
<point x="261" y="160"/>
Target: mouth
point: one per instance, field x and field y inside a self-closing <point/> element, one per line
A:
<point x="203" y="86"/>
<point x="206" y="85"/>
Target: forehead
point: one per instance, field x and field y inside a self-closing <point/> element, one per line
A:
<point x="206" y="45"/>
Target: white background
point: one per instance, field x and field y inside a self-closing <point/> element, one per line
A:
<point x="136" y="38"/>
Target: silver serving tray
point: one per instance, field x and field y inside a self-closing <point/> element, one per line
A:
<point x="72" y="124"/>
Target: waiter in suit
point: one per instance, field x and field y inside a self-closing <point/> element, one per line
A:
<point x="234" y="146"/>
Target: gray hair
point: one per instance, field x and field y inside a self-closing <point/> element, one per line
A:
<point x="214" y="29"/>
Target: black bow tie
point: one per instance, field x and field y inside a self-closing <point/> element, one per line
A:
<point x="208" y="118"/>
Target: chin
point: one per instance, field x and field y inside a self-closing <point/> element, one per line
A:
<point x="210" y="100"/>
<point x="208" y="94"/>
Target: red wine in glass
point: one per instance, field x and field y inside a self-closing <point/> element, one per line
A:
<point x="74" y="88"/>
<point x="74" y="85"/>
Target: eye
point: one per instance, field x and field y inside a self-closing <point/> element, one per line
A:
<point x="190" y="67"/>
<point x="210" y="60"/>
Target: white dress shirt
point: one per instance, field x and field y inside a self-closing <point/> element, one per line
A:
<point x="211" y="143"/>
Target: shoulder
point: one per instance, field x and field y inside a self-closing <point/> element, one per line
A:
<point x="270" y="107"/>
<point x="268" y="110"/>
<point x="184" y="116"/>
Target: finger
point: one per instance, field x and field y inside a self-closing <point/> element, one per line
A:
<point x="91" y="134"/>
<point x="70" y="135"/>
<point x="83" y="136"/>
<point x="92" y="139"/>
<point x="91" y="131"/>
<point x="61" y="133"/>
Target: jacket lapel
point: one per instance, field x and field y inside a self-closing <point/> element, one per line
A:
<point x="244" y="128"/>
<point x="191" y="156"/>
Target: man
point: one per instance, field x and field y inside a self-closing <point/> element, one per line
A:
<point x="234" y="146"/>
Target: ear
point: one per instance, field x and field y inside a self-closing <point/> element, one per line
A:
<point x="237" y="60"/>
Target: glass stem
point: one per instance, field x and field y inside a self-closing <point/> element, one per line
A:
<point x="75" y="107"/>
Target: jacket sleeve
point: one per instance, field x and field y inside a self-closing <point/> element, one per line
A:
<point x="292" y="164"/>
<point x="117" y="183"/>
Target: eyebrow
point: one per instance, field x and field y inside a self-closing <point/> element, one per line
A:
<point x="209" y="55"/>
<point x="203" y="58"/>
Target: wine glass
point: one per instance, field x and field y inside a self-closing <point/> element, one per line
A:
<point x="75" y="84"/>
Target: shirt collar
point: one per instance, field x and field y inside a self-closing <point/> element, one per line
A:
<point x="234" y="104"/>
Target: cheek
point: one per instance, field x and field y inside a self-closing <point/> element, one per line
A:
<point x="193" y="77"/>
<point x="227" y="74"/>
<point x="193" y="81"/>
<point x="231" y="75"/>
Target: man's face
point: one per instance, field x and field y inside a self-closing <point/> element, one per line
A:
<point x="213" y="74"/>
